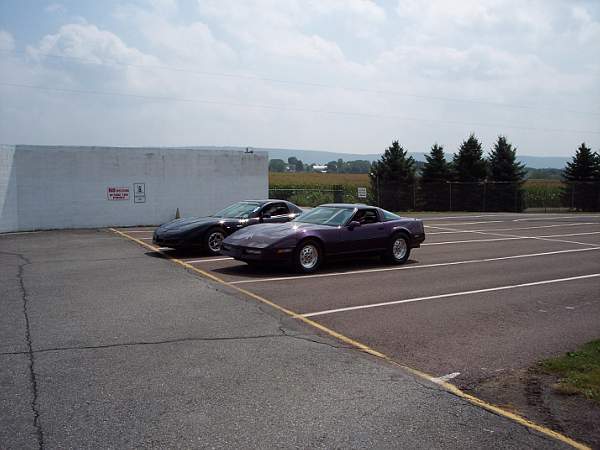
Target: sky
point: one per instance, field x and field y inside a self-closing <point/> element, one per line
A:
<point x="338" y="75"/>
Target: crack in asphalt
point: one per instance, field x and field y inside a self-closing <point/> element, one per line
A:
<point x="315" y="341"/>
<point x="32" y="377"/>
<point x="282" y="333"/>
<point x="75" y="260"/>
<point x="136" y="343"/>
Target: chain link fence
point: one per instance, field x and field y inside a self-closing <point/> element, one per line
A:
<point x="535" y="195"/>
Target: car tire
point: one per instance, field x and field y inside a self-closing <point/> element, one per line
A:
<point x="213" y="239"/>
<point x="308" y="256"/>
<point x="398" y="249"/>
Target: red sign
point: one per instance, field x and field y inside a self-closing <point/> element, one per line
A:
<point x="118" y="193"/>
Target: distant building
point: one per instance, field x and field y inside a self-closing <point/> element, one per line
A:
<point x="320" y="168"/>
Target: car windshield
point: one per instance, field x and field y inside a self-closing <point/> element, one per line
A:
<point x="326" y="215"/>
<point x="240" y="210"/>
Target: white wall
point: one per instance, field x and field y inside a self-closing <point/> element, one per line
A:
<point x="8" y="189"/>
<point x="45" y="187"/>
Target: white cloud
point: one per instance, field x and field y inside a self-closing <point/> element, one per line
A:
<point x="588" y="30"/>
<point x="7" y="42"/>
<point x="191" y="43"/>
<point x="88" y="42"/>
<point x="286" y="28"/>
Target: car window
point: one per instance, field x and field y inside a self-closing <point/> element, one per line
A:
<point x="240" y="210"/>
<point x="389" y="216"/>
<point x="326" y="215"/>
<point x="366" y="216"/>
<point x="276" y="209"/>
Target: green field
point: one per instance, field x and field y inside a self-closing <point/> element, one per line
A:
<point x="316" y="180"/>
<point x="310" y="189"/>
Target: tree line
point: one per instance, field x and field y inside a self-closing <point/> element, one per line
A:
<point x="340" y="166"/>
<point x="471" y="181"/>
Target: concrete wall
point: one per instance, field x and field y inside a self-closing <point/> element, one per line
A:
<point x="45" y="187"/>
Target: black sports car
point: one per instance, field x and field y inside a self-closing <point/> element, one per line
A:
<point x="328" y="230"/>
<point x="209" y="232"/>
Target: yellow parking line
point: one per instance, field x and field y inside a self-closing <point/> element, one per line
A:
<point x="365" y="348"/>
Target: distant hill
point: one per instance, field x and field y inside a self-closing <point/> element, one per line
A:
<point x="323" y="157"/>
<point x="316" y="157"/>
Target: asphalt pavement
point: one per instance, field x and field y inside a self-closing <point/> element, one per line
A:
<point x="105" y="344"/>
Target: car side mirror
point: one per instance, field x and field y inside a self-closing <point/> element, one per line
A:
<point x="352" y="225"/>
<point x="266" y="216"/>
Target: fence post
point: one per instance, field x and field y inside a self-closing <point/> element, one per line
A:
<point x="450" y="185"/>
<point x="338" y="193"/>
<point x="573" y="196"/>
<point x="414" y="189"/>
<point x="484" y="193"/>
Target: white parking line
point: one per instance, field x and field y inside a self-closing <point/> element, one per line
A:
<point x="445" y="378"/>
<point x="468" y="217"/>
<point x="475" y="240"/>
<point x="193" y="261"/>
<point x="521" y="215"/>
<point x="139" y="231"/>
<point x="470" y="223"/>
<point x="453" y="294"/>
<point x="512" y="220"/>
<point x="14" y="233"/>
<point x="512" y="238"/>
<point x="487" y="233"/>
<point x="576" y="216"/>
<point x="514" y="229"/>
<point x="413" y="267"/>
<point x="571" y="234"/>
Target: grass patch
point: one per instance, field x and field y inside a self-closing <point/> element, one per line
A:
<point x="579" y="371"/>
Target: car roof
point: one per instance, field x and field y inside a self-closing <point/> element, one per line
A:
<point x="265" y="201"/>
<point x="348" y="205"/>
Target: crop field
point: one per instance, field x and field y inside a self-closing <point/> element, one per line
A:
<point x="314" y="180"/>
<point x="310" y="189"/>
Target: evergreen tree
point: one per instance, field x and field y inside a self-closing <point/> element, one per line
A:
<point x="507" y="176"/>
<point x="436" y="168"/>
<point x="434" y="177"/>
<point x="469" y="169"/>
<point x="392" y="178"/>
<point x="582" y="180"/>
<point x="468" y="164"/>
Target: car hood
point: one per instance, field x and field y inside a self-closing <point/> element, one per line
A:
<point x="264" y="235"/>
<point x="187" y="223"/>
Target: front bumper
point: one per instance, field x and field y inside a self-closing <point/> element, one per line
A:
<point x="167" y="241"/>
<point x="417" y="240"/>
<point x="243" y="253"/>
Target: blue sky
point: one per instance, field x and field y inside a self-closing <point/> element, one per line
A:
<point x="340" y="75"/>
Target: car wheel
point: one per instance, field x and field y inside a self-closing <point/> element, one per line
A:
<point x="213" y="241"/>
<point x="308" y="256"/>
<point x="398" y="250"/>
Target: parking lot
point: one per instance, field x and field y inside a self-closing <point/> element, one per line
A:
<point x="485" y="293"/>
<point x="107" y="343"/>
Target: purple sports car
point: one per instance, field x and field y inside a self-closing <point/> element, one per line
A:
<point x="334" y="229"/>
